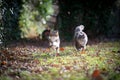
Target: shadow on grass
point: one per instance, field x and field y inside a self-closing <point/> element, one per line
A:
<point x="35" y="42"/>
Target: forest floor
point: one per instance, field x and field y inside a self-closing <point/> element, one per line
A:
<point x="32" y="60"/>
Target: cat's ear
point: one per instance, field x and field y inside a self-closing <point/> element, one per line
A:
<point x="82" y="27"/>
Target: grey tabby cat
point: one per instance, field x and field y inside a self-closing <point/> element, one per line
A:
<point x="80" y="38"/>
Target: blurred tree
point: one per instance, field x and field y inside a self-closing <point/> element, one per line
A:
<point x="24" y="18"/>
<point x="34" y="16"/>
<point x="10" y="15"/>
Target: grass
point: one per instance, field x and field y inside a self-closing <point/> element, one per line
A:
<point x="74" y="65"/>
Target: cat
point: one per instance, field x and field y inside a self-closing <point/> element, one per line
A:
<point x="80" y="38"/>
<point x="54" y="40"/>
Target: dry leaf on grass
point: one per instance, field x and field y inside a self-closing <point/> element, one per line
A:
<point x="62" y="49"/>
<point x="83" y="52"/>
<point x="3" y="63"/>
<point x="96" y="75"/>
<point x="55" y="65"/>
<point x="68" y="67"/>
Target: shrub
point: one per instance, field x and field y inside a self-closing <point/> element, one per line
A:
<point x="34" y="16"/>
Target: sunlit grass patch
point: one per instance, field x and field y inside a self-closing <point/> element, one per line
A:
<point x="74" y="65"/>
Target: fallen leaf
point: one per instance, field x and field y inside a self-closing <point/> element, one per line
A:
<point x="75" y="61"/>
<point x="83" y="52"/>
<point x="62" y="49"/>
<point x="110" y="61"/>
<point x="57" y="54"/>
<point x="46" y="50"/>
<point x="55" y="65"/>
<point x="95" y="73"/>
<point x="36" y="61"/>
<point x="3" y="63"/>
<point x="4" y="51"/>
<point x="68" y="67"/>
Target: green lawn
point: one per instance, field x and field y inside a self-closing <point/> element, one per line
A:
<point x="69" y="64"/>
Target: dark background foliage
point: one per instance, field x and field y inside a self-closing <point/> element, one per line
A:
<point x="100" y="17"/>
<point x="10" y="18"/>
